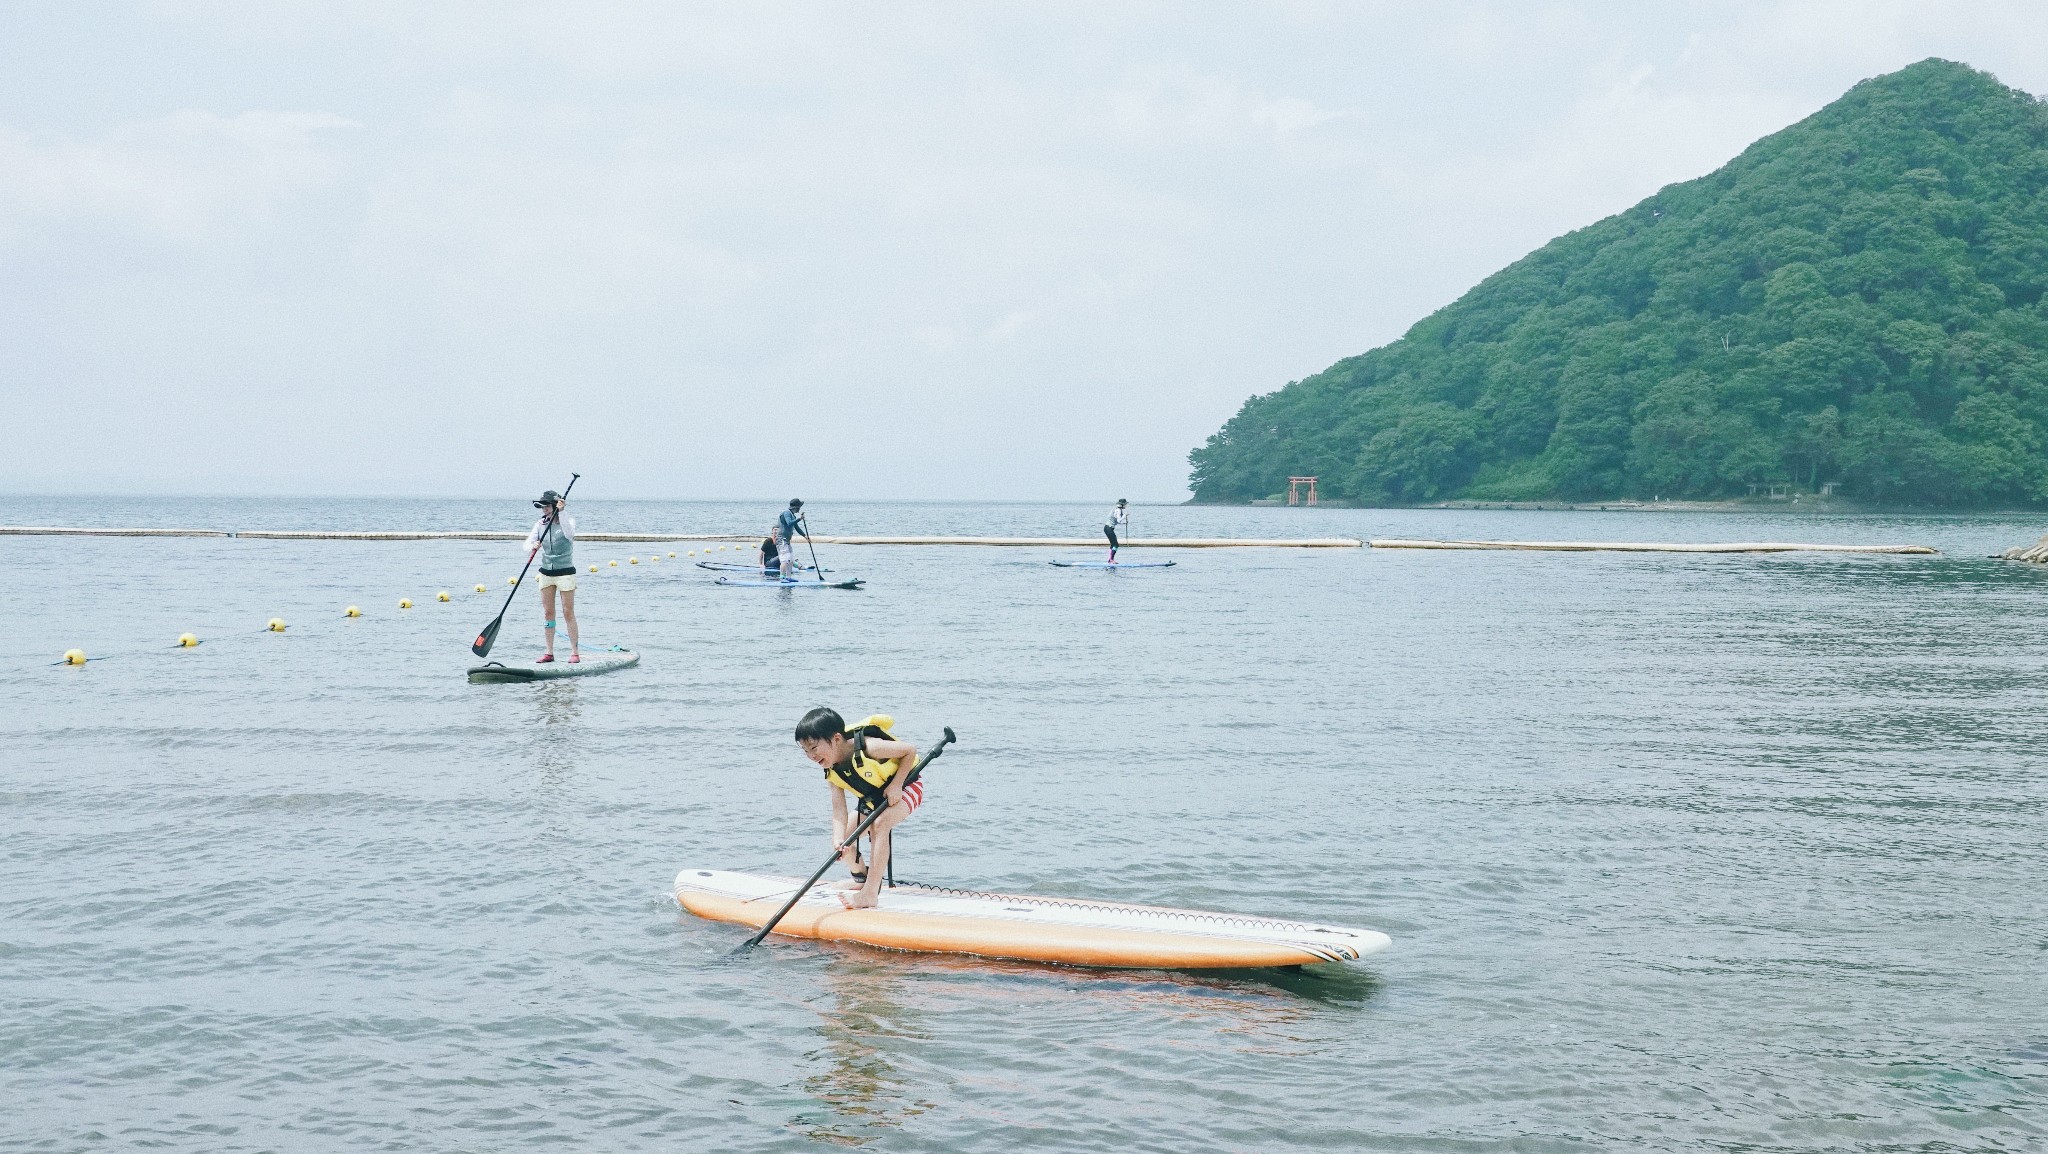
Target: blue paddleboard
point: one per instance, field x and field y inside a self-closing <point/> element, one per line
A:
<point x="1114" y="564"/>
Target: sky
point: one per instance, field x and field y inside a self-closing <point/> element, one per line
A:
<point x="1018" y="251"/>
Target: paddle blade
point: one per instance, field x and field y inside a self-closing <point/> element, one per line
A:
<point x="489" y="637"/>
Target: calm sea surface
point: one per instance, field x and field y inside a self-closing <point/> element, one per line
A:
<point x="1677" y="852"/>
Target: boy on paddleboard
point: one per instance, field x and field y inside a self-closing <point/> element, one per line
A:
<point x="868" y="762"/>
<point x="554" y="538"/>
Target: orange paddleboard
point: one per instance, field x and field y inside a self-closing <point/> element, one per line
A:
<point x="1069" y="931"/>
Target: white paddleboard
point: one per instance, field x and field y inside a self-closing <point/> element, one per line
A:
<point x="594" y="662"/>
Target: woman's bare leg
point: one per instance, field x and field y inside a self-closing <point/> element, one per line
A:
<point x="547" y="614"/>
<point x="569" y="616"/>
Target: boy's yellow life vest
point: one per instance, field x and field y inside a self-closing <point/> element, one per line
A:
<point x="860" y="775"/>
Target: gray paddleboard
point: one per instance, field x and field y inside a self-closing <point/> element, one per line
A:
<point x="597" y="661"/>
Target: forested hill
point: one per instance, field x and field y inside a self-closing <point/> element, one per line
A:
<point x="1855" y="299"/>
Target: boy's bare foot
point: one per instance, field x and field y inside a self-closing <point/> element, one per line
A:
<point x="860" y="899"/>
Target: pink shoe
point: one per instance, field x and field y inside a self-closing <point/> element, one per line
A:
<point x="575" y="658"/>
<point x="543" y="659"/>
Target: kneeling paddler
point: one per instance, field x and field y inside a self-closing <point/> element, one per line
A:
<point x="866" y="761"/>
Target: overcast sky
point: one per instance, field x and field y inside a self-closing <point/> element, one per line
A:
<point x="997" y="251"/>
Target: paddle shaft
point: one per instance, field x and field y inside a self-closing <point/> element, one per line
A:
<point x="851" y="838"/>
<point x="806" y="527"/>
<point x="489" y="637"/>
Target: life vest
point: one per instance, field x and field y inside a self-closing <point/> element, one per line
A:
<point x="860" y="775"/>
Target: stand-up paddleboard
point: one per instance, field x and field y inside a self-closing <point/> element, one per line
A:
<point x="797" y="583"/>
<point x="594" y="661"/>
<point x="1114" y="564"/>
<point x="1068" y="931"/>
<point x="728" y="567"/>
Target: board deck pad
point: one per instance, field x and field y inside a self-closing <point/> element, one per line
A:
<point x="594" y="661"/>
<point x="1067" y="931"/>
<point x="796" y="583"/>
<point x="1114" y="564"/>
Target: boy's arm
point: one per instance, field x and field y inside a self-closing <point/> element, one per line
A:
<point x="839" y="828"/>
<point x="902" y="753"/>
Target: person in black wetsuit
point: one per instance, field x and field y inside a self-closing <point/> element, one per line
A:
<point x="1119" y="518"/>
<point x="771" y="558"/>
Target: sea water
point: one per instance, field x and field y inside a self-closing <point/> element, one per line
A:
<point x="1678" y="852"/>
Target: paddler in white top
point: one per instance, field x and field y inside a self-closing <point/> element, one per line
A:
<point x="1119" y="520"/>
<point x="866" y="761"/>
<point x="554" y="538"/>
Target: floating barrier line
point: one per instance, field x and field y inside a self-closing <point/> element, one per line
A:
<point x="51" y="531"/>
<point x="481" y="535"/>
<point x="1097" y="542"/>
<point x="1653" y="547"/>
<point x="322" y="535"/>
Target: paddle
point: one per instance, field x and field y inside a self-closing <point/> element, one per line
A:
<point x="489" y="637"/>
<point x="805" y="526"/>
<point x="851" y="838"/>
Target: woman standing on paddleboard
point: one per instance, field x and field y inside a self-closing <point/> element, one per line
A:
<point x="1119" y="518"/>
<point x="554" y="537"/>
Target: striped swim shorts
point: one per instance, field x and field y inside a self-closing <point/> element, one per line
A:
<point x="913" y="796"/>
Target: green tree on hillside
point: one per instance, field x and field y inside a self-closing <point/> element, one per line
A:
<point x="1856" y="299"/>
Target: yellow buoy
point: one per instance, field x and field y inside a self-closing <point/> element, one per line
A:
<point x="593" y="568"/>
<point x="479" y="588"/>
<point x="614" y="564"/>
<point x="671" y="554"/>
<point x="632" y="560"/>
<point x="511" y="580"/>
<point x="276" y="625"/>
<point x="442" y="595"/>
<point x="187" y="640"/>
<point x="405" y="602"/>
<point x="693" y="553"/>
<point x="74" y="657"/>
<point x="351" y="611"/>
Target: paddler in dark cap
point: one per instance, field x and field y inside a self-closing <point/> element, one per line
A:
<point x="554" y="538"/>
<point x="787" y="526"/>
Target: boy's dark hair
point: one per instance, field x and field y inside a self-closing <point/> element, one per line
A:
<point x="820" y="724"/>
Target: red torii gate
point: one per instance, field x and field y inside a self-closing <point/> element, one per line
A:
<point x="1294" y="489"/>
